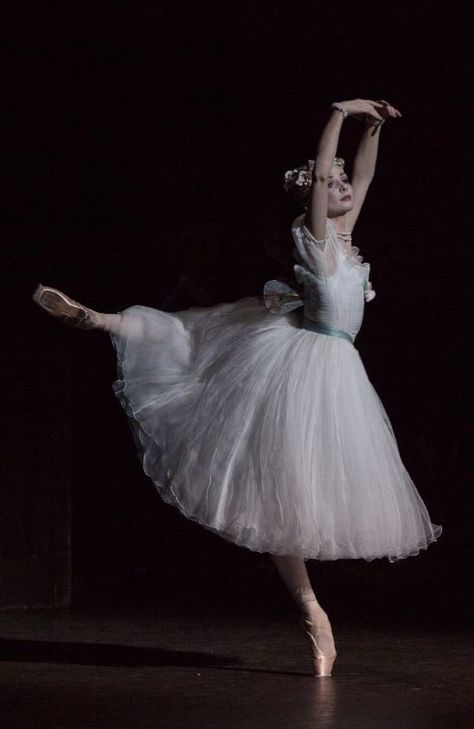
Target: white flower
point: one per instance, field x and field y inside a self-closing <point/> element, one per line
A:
<point x="300" y="176"/>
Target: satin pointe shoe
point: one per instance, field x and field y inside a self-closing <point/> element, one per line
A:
<point x="316" y="634"/>
<point x="62" y="307"/>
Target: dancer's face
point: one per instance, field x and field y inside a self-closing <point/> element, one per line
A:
<point x="340" y="195"/>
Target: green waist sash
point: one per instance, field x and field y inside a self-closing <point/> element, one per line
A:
<point x="325" y="329"/>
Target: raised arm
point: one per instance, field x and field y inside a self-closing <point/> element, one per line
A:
<point x="324" y="158"/>
<point x="365" y="161"/>
<point x="323" y="162"/>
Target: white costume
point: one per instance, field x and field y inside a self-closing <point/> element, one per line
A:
<point x="266" y="431"/>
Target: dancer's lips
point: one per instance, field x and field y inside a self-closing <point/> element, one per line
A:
<point x="346" y="197"/>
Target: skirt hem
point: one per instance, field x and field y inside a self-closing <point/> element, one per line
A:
<point x="172" y="500"/>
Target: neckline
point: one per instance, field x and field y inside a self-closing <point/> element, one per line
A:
<point x="345" y="239"/>
<point x="350" y="251"/>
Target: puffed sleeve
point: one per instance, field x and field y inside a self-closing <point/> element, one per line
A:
<point x="319" y="256"/>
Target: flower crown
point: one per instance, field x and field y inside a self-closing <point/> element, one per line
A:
<point x="302" y="176"/>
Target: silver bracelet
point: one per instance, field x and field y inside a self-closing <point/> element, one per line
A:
<point x="340" y="108"/>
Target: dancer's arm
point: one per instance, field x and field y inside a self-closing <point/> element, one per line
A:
<point x="364" y="163"/>
<point x="324" y="159"/>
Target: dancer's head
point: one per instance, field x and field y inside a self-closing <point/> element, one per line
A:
<point x="340" y="195"/>
<point x="299" y="182"/>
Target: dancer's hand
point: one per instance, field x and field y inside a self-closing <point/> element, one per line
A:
<point x="388" y="110"/>
<point x="360" y="108"/>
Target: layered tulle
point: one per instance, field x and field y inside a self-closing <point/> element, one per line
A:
<point x="267" y="434"/>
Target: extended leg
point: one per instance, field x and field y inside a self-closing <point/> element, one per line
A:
<point x="294" y="574"/>
<point x="60" y="306"/>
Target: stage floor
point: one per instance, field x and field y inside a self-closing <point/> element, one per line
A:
<point x="179" y="669"/>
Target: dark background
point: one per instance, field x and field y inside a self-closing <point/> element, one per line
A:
<point x="143" y="150"/>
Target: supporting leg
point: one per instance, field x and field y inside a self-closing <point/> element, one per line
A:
<point x="294" y="574"/>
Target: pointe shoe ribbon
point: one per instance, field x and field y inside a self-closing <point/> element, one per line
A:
<point x="59" y="305"/>
<point x="322" y="662"/>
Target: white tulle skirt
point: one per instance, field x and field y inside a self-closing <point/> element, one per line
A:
<point x="267" y="434"/>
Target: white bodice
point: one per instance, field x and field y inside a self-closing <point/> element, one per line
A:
<point x="335" y="280"/>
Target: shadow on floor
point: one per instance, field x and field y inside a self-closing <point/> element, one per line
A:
<point x="101" y="654"/>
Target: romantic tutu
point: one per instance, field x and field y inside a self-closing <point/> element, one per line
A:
<point x="258" y="421"/>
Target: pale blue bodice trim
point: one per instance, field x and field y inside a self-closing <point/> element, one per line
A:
<point x="326" y="329"/>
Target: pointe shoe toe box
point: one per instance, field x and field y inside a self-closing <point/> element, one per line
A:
<point x="54" y="302"/>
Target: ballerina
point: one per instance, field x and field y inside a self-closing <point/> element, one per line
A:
<point x="261" y="424"/>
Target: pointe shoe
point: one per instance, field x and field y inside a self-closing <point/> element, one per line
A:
<point x="322" y="662"/>
<point x="62" y="307"/>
